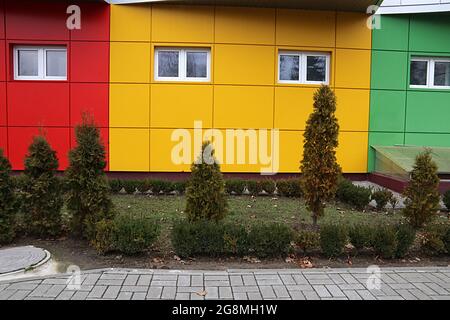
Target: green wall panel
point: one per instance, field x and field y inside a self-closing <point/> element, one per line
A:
<point x="382" y="139"/>
<point x="389" y="70"/>
<point x="387" y="110"/>
<point x="428" y="111"/>
<point x="428" y="139"/>
<point x="393" y="34"/>
<point x="430" y="32"/>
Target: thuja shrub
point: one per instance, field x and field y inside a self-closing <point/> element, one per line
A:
<point x="446" y="199"/>
<point x="42" y="191"/>
<point x="205" y="193"/>
<point x="9" y="203"/>
<point x="422" y="194"/>
<point x="434" y="240"/>
<point x="88" y="195"/>
<point x="254" y="187"/>
<point x="289" y="188"/>
<point x="333" y="238"/>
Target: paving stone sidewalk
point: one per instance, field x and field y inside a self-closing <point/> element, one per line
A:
<point x="291" y="284"/>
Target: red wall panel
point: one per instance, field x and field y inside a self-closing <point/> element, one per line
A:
<point x="92" y="98"/>
<point x="38" y="103"/>
<point x="104" y="134"/>
<point x="94" y="22"/>
<point x="2" y="19"/>
<point x="3" y="140"/>
<point x="2" y="60"/>
<point x="36" y="20"/>
<point x="89" y="62"/>
<point x="21" y="138"/>
<point x="3" y="104"/>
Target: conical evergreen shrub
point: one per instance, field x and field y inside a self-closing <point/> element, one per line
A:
<point x="8" y="202"/>
<point x="320" y="170"/>
<point x="205" y="193"/>
<point x="88" y="199"/>
<point x="422" y="192"/>
<point x="42" y="190"/>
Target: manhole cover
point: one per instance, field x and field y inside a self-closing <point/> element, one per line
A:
<point x="21" y="258"/>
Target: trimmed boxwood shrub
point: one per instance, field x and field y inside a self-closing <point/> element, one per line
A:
<point x="289" y="188"/>
<point x="268" y="185"/>
<point x="382" y="197"/>
<point x="333" y="238"/>
<point x="269" y="240"/>
<point x="307" y="240"/>
<point x="179" y="187"/>
<point x="360" y="236"/>
<point x="236" y="186"/>
<point x="446" y="199"/>
<point x="356" y="196"/>
<point x="254" y="187"/>
<point x="385" y="241"/>
<point x="235" y="240"/>
<point x="405" y="238"/>
<point x="434" y="240"/>
<point x="132" y="235"/>
<point x="115" y="185"/>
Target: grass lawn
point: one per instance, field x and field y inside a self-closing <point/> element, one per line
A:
<point x="243" y="210"/>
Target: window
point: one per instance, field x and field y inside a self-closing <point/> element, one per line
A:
<point x="174" y="64"/>
<point x="430" y="73"/>
<point x="303" y="67"/>
<point x="40" y="63"/>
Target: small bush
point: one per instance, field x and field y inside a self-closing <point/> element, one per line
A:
<point x="9" y="204"/>
<point x="447" y="240"/>
<point x="235" y="186"/>
<point x="104" y="236"/>
<point x="161" y="187"/>
<point x="393" y="202"/>
<point x="235" y="240"/>
<point x="254" y="187"/>
<point x="203" y="238"/>
<point x="142" y="185"/>
<point x="132" y="235"/>
<point x="268" y="185"/>
<point x="307" y="240"/>
<point x="433" y="240"/>
<point x="333" y="238"/>
<point x="130" y="186"/>
<point x="405" y="238"/>
<point x="446" y="199"/>
<point x="360" y="236"/>
<point x="289" y="188"/>
<point x="269" y="240"/>
<point x="382" y="197"/>
<point x="356" y="196"/>
<point x="385" y="241"/>
<point x="115" y="185"/>
<point x="179" y="187"/>
<point x="18" y="181"/>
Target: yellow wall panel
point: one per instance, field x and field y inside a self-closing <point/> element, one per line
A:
<point x="291" y="150"/>
<point x="178" y="106"/>
<point x="161" y="157"/>
<point x="243" y="107"/>
<point x="352" y="31"/>
<point x="352" y="109"/>
<point x="130" y="62"/>
<point x="292" y="107"/>
<point x="306" y="28"/>
<point x="129" y="105"/>
<point x="244" y="151"/>
<point x="182" y="24"/>
<point x="130" y="22"/>
<point x="244" y="64"/>
<point x="245" y="25"/>
<point x="352" y="151"/>
<point x="352" y="68"/>
<point x="129" y="149"/>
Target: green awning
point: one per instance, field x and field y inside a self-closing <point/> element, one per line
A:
<point x="402" y="158"/>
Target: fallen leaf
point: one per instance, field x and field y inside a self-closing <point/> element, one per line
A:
<point x="249" y="206"/>
<point x="290" y="259"/>
<point x="177" y="258"/>
<point x="202" y="293"/>
<point x="305" y="263"/>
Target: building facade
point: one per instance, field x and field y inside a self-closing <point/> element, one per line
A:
<point x="150" y="73"/>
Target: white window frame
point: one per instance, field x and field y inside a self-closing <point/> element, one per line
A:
<point x="303" y="66"/>
<point x="182" y="64"/>
<point x="42" y="63"/>
<point x="430" y="72"/>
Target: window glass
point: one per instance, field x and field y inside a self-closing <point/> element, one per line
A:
<point x="168" y="63"/>
<point x="56" y="63"/>
<point x="316" y="68"/>
<point x="28" y="63"/>
<point x="196" y="64"/>
<point x="442" y="73"/>
<point x="289" y="67"/>
<point x="419" y="72"/>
